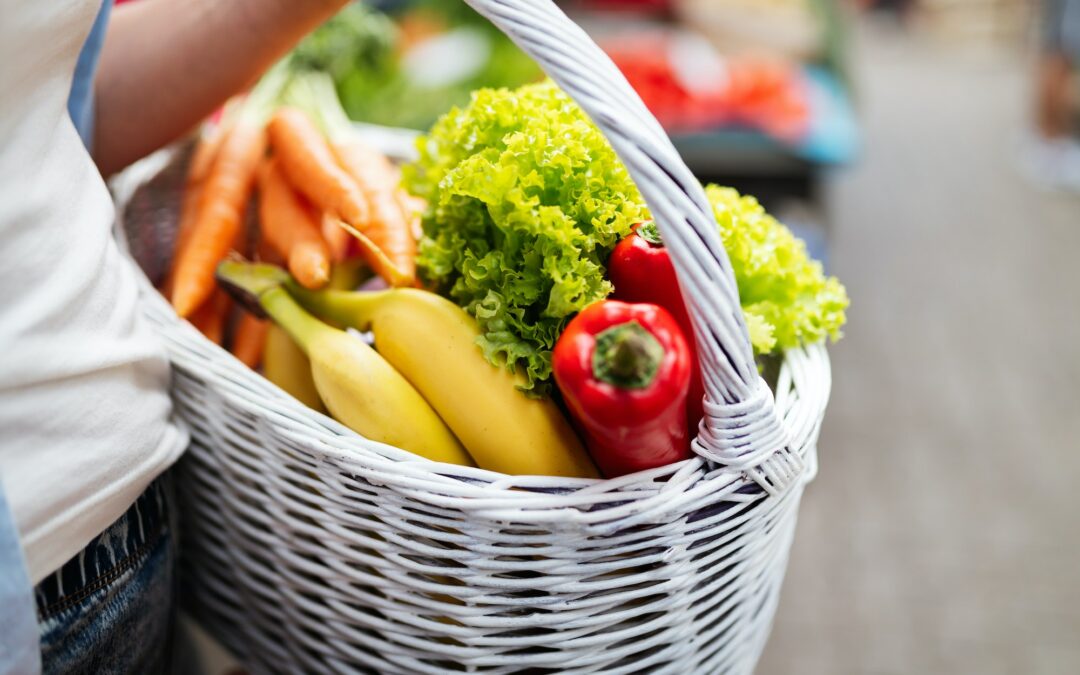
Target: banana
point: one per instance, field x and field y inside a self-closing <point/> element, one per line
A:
<point x="432" y="342"/>
<point x="286" y="365"/>
<point x="358" y="386"/>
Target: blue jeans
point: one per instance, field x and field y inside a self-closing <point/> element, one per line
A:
<point x="111" y="608"/>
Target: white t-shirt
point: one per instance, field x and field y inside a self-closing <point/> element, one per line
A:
<point x="84" y="409"/>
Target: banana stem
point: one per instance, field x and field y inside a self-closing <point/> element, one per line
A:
<point x="355" y="309"/>
<point x="287" y="313"/>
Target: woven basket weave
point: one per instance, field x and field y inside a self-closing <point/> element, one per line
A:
<point x="310" y="549"/>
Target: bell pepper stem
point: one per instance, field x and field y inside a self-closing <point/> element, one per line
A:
<point x="649" y="233"/>
<point x="627" y="356"/>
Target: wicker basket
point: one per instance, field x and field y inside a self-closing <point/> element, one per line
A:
<point x="310" y="549"/>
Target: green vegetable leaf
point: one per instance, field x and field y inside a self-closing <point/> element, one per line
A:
<point x="786" y="298"/>
<point x="526" y="201"/>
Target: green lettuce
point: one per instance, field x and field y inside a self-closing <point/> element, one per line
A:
<point x="786" y="298"/>
<point x="526" y="200"/>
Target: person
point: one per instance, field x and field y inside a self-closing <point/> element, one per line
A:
<point x="1054" y="156"/>
<point x="87" y="425"/>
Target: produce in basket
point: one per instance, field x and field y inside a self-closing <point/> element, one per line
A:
<point x="641" y="271"/>
<point x="357" y="385"/>
<point x="432" y="342"/>
<point x="527" y="200"/>
<point x="309" y="163"/>
<point x="220" y="216"/>
<point x="786" y="298"/>
<point x="384" y="237"/>
<point x="625" y="370"/>
<point x="211" y="317"/>
<point x="217" y="222"/>
<point x="309" y="182"/>
<point x="287" y="366"/>
<point x="531" y="223"/>
<point x="388" y="230"/>
<point x="249" y="339"/>
<point x="288" y="225"/>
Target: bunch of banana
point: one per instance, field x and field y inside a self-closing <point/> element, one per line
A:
<point x="358" y="387"/>
<point x="430" y="343"/>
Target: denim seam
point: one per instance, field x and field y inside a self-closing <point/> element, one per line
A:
<point x="102" y="580"/>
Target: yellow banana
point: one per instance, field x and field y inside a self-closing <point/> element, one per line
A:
<point x="286" y="365"/>
<point x="432" y="342"/>
<point x="360" y="389"/>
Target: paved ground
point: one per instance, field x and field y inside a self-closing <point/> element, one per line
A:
<point x="943" y="532"/>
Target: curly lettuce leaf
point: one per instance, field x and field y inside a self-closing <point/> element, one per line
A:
<point x="786" y="298"/>
<point x="526" y="201"/>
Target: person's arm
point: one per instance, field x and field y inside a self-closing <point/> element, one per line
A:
<point x="166" y="64"/>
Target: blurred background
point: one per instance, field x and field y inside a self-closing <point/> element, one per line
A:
<point x="925" y="149"/>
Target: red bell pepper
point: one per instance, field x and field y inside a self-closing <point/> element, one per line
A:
<point x="641" y="271"/>
<point x="624" y="370"/>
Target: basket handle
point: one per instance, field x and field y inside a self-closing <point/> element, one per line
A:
<point x="741" y="429"/>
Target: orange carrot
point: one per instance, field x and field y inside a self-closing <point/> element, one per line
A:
<point x="221" y="215"/>
<point x="288" y="226"/>
<point x="307" y="161"/>
<point x="374" y="256"/>
<point x="202" y="159"/>
<point x="211" y="316"/>
<point x="249" y="339"/>
<point x="371" y="169"/>
<point x="335" y="237"/>
<point x="389" y="229"/>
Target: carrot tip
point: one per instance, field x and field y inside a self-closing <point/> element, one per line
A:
<point x="183" y="306"/>
<point x="315" y="280"/>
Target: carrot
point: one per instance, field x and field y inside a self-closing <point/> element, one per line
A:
<point x="211" y="316"/>
<point x="288" y="226"/>
<point x="249" y="339"/>
<point x="371" y="169"/>
<point x="221" y="215"/>
<point x="309" y="164"/>
<point x="336" y="238"/>
<point x="374" y="256"/>
<point x="389" y="229"/>
<point x="202" y="159"/>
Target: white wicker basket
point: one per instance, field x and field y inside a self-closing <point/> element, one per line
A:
<point x="307" y="548"/>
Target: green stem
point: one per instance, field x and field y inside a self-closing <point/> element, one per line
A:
<point x="314" y="93"/>
<point x="627" y="356"/>
<point x="354" y="309"/>
<point x="287" y="313"/>
<point x="650" y="233"/>
<point x="261" y="289"/>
